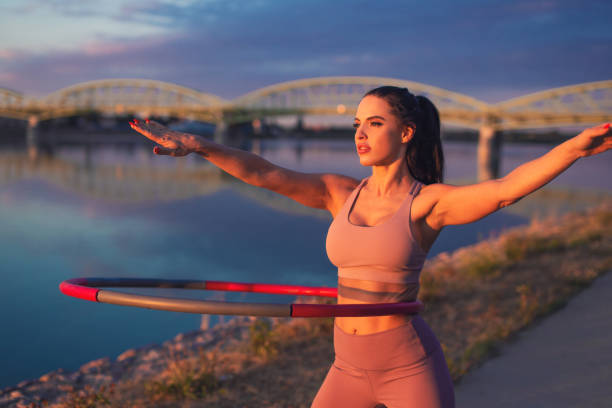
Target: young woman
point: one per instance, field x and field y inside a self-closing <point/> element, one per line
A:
<point x="382" y="230"/>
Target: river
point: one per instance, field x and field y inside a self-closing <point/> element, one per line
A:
<point x="117" y="211"/>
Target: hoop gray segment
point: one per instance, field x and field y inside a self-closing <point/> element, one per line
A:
<point x="194" y="306"/>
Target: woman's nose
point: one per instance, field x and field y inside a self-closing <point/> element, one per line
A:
<point x="360" y="134"/>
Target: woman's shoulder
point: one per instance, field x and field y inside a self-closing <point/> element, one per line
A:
<point x="428" y="197"/>
<point x="435" y="188"/>
<point x="340" y="184"/>
<point x="339" y="188"/>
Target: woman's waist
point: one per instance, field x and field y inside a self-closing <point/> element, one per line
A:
<point x="372" y="324"/>
<point x="381" y="273"/>
<point x="365" y="291"/>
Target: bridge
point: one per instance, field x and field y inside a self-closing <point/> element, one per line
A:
<point x="578" y="105"/>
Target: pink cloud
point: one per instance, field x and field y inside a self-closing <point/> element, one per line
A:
<point x="97" y="48"/>
<point x="10" y="55"/>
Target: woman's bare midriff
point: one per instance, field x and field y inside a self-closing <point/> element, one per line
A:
<point x="369" y="324"/>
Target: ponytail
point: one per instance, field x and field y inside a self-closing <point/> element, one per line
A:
<point x="424" y="155"/>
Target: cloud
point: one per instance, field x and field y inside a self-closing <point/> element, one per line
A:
<point x="9" y="55"/>
<point x="7" y="77"/>
<point x="228" y="48"/>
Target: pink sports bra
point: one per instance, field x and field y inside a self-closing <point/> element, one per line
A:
<point x="386" y="252"/>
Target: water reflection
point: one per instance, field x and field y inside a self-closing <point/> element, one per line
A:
<point x="116" y="210"/>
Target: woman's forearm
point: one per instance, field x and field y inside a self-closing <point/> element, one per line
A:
<point x="534" y="174"/>
<point x="241" y="164"/>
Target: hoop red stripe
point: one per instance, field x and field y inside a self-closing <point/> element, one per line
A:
<point x="272" y="289"/>
<point x="82" y="292"/>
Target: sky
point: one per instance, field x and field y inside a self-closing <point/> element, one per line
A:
<point x="491" y="50"/>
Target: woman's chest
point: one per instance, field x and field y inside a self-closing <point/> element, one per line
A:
<point x="372" y="211"/>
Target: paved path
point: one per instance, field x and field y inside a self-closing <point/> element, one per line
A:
<point x="565" y="361"/>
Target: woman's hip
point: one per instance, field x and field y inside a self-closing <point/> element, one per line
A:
<point x="404" y="345"/>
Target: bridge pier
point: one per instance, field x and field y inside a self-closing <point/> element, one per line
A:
<point x="221" y="132"/>
<point x="489" y="151"/>
<point x="32" y="140"/>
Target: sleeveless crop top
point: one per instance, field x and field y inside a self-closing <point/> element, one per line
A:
<point x="386" y="252"/>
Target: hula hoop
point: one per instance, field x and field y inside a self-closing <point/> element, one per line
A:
<point x="88" y="289"/>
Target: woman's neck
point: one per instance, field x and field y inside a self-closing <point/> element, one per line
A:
<point x="390" y="180"/>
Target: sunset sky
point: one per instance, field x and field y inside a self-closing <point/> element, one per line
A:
<point x="491" y="50"/>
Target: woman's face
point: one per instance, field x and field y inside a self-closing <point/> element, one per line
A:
<point x="380" y="138"/>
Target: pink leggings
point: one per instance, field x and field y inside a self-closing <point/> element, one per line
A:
<point x="400" y="367"/>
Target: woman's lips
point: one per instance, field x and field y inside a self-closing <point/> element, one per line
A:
<point x="361" y="149"/>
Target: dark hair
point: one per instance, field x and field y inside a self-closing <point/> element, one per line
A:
<point x="424" y="154"/>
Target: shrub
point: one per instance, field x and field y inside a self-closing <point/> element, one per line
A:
<point x="90" y="397"/>
<point x="518" y="247"/>
<point x="263" y="341"/>
<point x="482" y="266"/>
<point x="186" y="379"/>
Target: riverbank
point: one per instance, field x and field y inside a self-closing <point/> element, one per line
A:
<point x="476" y="299"/>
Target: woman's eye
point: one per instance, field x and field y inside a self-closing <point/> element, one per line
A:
<point x="355" y="125"/>
<point x="375" y="124"/>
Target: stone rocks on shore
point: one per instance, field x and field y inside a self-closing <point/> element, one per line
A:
<point x="134" y="364"/>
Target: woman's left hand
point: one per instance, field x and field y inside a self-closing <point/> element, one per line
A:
<point x="593" y="140"/>
<point x="171" y="143"/>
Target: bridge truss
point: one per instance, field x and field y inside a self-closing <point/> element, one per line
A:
<point x="581" y="104"/>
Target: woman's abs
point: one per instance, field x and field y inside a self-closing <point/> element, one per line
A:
<point x="369" y="324"/>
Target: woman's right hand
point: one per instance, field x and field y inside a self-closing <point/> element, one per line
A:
<point x="172" y="143"/>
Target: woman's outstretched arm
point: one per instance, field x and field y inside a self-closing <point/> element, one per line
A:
<point x="452" y="205"/>
<point x="324" y="191"/>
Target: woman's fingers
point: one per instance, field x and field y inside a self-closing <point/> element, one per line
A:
<point x="602" y="129"/>
<point x="595" y="140"/>
<point x="145" y="129"/>
<point x="597" y="131"/>
<point x="162" y="150"/>
<point x="138" y="126"/>
<point x="169" y="152"/>
<point x="169" y="144"/>
<point x="154" y="123"/>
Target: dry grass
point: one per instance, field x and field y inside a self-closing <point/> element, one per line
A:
<point x="87" y="398"/>
<point x="186" y="378"/>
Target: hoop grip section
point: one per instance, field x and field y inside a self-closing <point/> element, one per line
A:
<point x="78" y="288"/>
<point x="355" y="310"/>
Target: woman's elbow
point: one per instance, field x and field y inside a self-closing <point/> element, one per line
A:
<point x="506" y="195"/>
<point x="507" y="202"/>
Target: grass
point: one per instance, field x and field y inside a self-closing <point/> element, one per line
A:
<point x="263" y="341"/>
<point x="482" y="266"/>
<point x="91" y="398"/>
<point x="186" y="379"/>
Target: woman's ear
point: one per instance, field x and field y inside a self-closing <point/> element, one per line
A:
<point x="407" y="134"/>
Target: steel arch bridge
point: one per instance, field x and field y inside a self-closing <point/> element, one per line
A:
<point x="580" y="104"/>
<point x="115" y="96"/>
<point x="341" y="95"/>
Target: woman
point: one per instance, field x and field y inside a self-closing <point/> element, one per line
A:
<point x="382" y="230"/>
